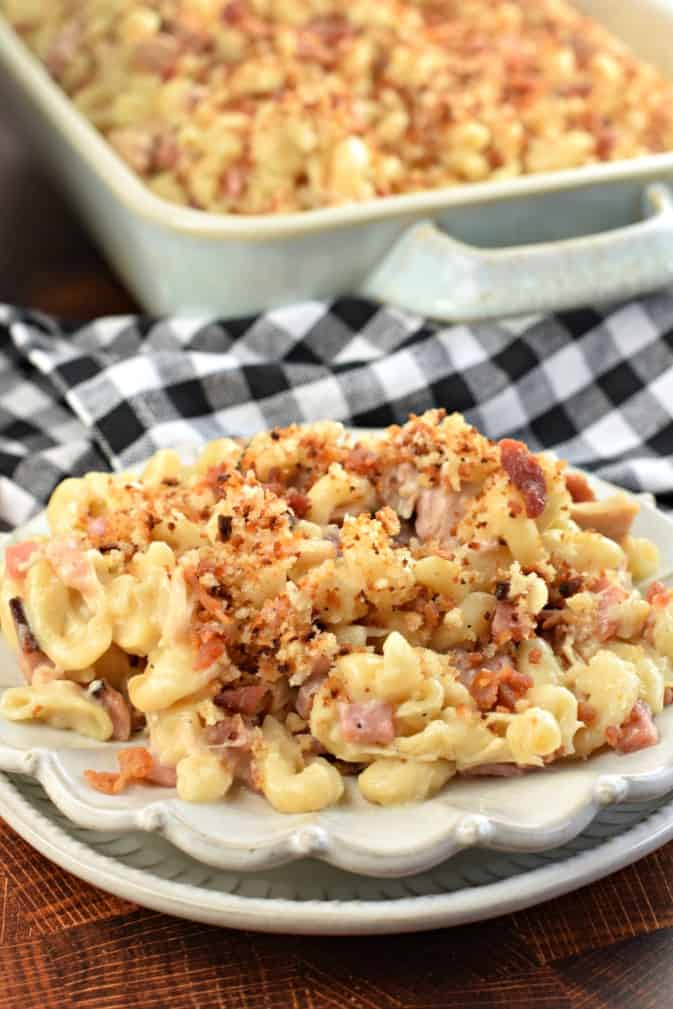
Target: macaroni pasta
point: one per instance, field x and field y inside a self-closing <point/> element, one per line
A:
<point x="403" y="607"/>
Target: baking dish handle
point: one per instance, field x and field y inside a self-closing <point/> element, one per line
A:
<point x="429" y="273"/>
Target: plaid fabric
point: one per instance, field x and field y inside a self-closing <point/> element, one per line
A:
<point x="596" y="386"/>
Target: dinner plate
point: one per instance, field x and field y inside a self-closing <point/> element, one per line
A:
<point x="527" y="814"/>
<point x="311" y="898"/>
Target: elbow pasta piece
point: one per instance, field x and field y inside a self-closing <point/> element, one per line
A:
<point x="169" y="677"/>
<point x="61" y="705"/>
<point x="536" y="658"/>
<point x="612" y="686"/>
<point x="139" y="600"/>
<point x="222" y="452"/>
<point x="67" y="631"/>
<point x="533" y="734"/>
<point x="339" y="491"/>
<point x="390" y="781"/>
<point x="649" y="670"/>
<point x="289" y="786"/>
<point x="642" y="557"/>
<point x="164" y="465"/>
<point x="202" y="777"/>
<point x="583" y="550"/>
<point x="176" y="732"/>
<point x="561" y="703"/>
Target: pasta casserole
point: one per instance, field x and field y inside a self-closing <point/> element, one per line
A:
<point x="403" y="607"/>
<point x="277" y="106"/>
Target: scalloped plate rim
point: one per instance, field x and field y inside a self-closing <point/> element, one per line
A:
<point x="350" y="916"/>
<point x="309" y="837"/>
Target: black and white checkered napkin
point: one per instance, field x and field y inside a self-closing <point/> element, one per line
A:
<point x="596" y="386"/>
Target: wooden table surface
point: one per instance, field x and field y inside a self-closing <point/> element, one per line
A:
<point x="65" y="944"/>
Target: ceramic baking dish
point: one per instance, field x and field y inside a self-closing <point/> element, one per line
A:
<point x="535" y="243"/>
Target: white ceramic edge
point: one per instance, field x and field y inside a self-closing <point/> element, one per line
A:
<point x="131" y="191"/>
<point x="333" y="917"/>
<point x="314" y="840"/>
<point x="432" y="274"/>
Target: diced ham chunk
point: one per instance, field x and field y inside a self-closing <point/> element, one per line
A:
<point x="369" y="723"/>
<point x="31" y="656"/>
<point x="612" y="516"/>
<point x="526" y="474"/>
<point x="232" y="731"/>
<point x="248" y="700"/>
<point x="578" y="487"/>
<point x="510" y="624"/>
<point x="17" y="558"/>
<point x="162" y="774"/>
<point x="400" y="489"/>
<point x="608" y="611"/>
<point x="306" y="694"/>
<point x="158" y="55"/>
<point x="96" y="526"/>
<point x="73" y="567"/>
<point x="117" y="708"/>
<point x="636" y="733"/>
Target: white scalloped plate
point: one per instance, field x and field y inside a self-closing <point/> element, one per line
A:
<point x="311" y="898"/>
<point x="532" y="813"/>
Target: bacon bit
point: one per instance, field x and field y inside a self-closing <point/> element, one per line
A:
<point x="578" y="487"/>
<point x="525" y="472"/>
<point x="503" y="687"/>
<point x="17" y="557"/>
<point x="431" y="615"/>
<point x="224" y="524"/>
<point x="31" y="656"/>
<point x="586" y="712"/>
<point x="209" y="652"/>
<point x="135" y="764"/>
<point x="658" y="595"/>
<point x="668" y="696"/>
<point x="636" y="733"/>
<point x="247" y="700"/>
<point x="298" y="502"/>
<point x="535" y="656"/>
<point x="569" y="587"/>
<point x="361" y="460"/>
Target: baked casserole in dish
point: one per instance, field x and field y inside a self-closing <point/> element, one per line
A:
<point x="321" y="129"/>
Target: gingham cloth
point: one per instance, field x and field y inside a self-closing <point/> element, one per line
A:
<point x="595" y="386"/>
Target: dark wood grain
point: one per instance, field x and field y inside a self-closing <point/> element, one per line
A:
<point x="65" y="944"/>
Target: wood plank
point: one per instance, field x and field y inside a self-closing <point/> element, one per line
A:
<point x="634" y="974"/>
<point x="48" y="898"/>
<point x="635" y="901"/>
